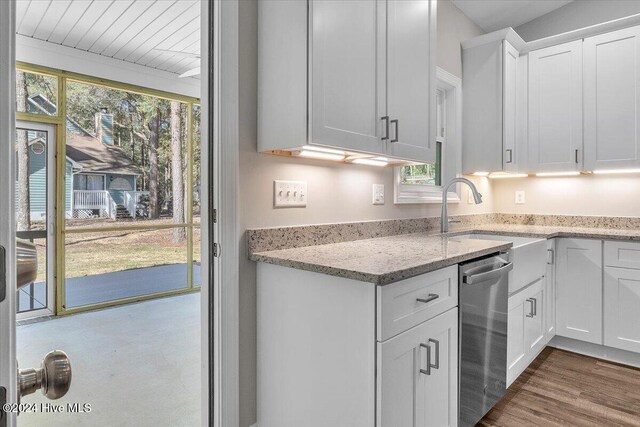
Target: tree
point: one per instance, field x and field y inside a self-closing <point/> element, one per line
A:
<point x="22" y="148"/>
<point x="176" y="172"/>
<point x="154" y="128"/>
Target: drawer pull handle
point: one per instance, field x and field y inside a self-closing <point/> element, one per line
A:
<point x="428" y="370"/>
<point x="429" y="298"/>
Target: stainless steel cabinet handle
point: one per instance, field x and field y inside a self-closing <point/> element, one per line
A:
<point x="535" y="306"/>
<point x="475" y="278"/>
<point x="386" y="127"/>
<point x="577" y="156"/>
<point x="437" y="343"/>
<point x="428" y="370"/>
<point x="510" y="151"/>
<point x="429" y="298"/>
<point x="552" y="254"/>
<point x="532" y="310"/>
<point x="396" y="122"/>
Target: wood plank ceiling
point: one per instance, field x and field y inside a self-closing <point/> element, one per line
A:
<point x="136" y="31"/>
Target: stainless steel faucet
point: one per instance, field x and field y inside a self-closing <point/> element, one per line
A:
<point x="444" y="217"/>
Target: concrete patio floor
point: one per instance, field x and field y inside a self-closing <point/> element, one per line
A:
<point x="137" y="365"/>
<point x="104" y="287"/>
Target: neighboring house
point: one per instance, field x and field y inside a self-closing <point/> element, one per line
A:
<point x="100" y="177"/>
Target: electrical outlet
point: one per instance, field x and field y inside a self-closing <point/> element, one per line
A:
<point x="289" y="194"/>
<point x="520" y="197"/>
<point x="378" y="194"/>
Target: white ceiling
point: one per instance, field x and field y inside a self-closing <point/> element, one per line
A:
<point x="127" y="30"/>
<point x="492" y="15"/>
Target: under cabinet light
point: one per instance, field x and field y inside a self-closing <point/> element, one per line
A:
<point x="322" y="149"/>
<point x="370" y="162"/>
<point x="507" y="175"/>
<point x="320" y="155"/>
<point x="480" y="174"/>
<point x="615" y="171"/>
<point x="542" y="174"/>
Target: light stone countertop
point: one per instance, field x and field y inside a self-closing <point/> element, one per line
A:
<point x="385" y="260"/>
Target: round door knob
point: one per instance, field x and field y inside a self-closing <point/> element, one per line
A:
<point x="57" y="374"/>
<point x="53" y="377"/>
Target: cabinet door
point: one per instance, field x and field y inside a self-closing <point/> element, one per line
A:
<point x="555" y="108"/>
<point x="550" y="292"/>
<point x="579" y="289"/>
<point x="509" y="110"/>
<point x="622" y="308"/>
<point x="612" y="100"/>
<point x="409" y="393"/>
<point x="525" y="330"/>
<point x="347" y="74"/>
<point x="411" y="69"/>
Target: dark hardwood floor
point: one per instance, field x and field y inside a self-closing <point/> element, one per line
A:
<point x="561" y="388"/>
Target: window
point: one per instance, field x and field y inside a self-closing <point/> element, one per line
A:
<point x="89" y="182"/>
<point x="421" y="183"/>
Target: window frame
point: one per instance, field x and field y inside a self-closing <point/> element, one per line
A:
<point x="451" y="163"/>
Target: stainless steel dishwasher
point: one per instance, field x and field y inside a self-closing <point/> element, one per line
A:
<point x="484" y="290"/>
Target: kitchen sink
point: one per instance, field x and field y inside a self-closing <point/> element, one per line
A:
<point x="528" y="255"/>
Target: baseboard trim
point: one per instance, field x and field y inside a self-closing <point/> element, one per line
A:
<point x="595" y="350"/>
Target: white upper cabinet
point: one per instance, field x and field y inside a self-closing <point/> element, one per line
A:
<point x="510" y="107"/>
<point x="493" y="102"/>
<point x="352" y="75"/>
<point x="612" y="100"/>
<point x="555" y="108"/>
<point x="411" y="88"/>
<point x="348" y="74"/>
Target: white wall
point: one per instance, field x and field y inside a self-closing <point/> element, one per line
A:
<point x="612" y="195"/>
<point x="337" y="192"/>
<point x="575" y="15"/>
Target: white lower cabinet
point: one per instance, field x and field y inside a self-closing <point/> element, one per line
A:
<point x="579" y="289"/>
<point x="526" y="330"/>
<point x="417" y="381"/>
<point x="622" y="308"/>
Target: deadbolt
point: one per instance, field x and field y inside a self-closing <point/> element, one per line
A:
<point x="53" y="377"/>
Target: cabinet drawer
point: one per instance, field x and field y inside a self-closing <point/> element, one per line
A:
<point x="622" y="254"/>
<point x="399" y="307"/>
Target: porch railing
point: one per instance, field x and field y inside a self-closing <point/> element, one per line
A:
<point x="94" y="199"/>
<point x="133" y="205"/>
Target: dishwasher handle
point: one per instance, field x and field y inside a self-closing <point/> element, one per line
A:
<point x="481" y="277"/>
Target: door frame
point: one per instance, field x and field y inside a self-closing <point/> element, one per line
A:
<point x="220" y="126"/>
<point x="219" y="304"/>
<point x="8" y="363"/>
<point x="51" y="186"/>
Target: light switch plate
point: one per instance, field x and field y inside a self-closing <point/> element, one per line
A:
<point x="289" y="194"/>
<point x="520" y="197"/>
<point x="378" y="194"/>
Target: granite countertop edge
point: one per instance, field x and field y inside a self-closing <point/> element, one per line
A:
<point x="546" y="232"/>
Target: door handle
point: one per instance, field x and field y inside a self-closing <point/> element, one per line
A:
<point x="532" y="308"/>
<point x="551" y="253"/>
<point x="510" y="151"/>
<point x="428" y="370"/>
<point x="437" y="349"/>
<point x="53" y="377"/>
<point x="386" y="126"/>
<point x="3" y="273"/>
<point x="429" y="298"/>
<point x="397" y="127"/>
